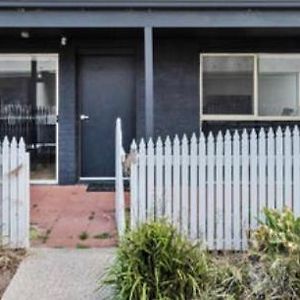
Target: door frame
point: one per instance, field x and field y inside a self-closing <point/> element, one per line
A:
<point x="126" y="51"/>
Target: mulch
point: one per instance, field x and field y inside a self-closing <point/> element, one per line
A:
<point x="9" y="262"/>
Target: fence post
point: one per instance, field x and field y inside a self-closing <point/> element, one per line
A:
<point x="23" y="197"/>
<point x="119" y="194"/>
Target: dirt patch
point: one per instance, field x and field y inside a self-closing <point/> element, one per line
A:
<point x="9" y="262"/>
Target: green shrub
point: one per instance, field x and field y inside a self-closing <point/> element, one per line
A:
<point x="154" y="262"/>
<point x="279" y="234"/>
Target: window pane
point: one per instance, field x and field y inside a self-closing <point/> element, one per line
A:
<point x="278" y="85"/>
<point x="228" y="84"/>
<point x="28" y="108"/>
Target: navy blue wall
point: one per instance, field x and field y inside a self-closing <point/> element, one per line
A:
<point x="176" y="89"/>
<point x="176" y="82"/>
<point x="176" y="73"/>
<point x="176" y="86"/>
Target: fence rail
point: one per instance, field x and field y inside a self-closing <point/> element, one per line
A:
<point x="14" y="194"/>
<point x="214" y="187"/>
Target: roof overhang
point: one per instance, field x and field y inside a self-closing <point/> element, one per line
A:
<point x="125" y="18"/>
<point x="144" y="13"/>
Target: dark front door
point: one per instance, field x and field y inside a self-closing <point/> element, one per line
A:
<point x="106" y="91"/>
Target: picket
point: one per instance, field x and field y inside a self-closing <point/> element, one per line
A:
<point x="5" y="192"/>
<point x="168" y="178"/>
<point x="22" y="207"/>
<point x="245" y="188"/>
<point x="227" y="192"/>
<point x="279" y="169"/>
<point x="253" y="180"/>
<point x="193" y="190"/>
<point x="262" y="195"/>
<point x="134" y="210"/>
<point x="287" y="168"/>
<point x="150" y="180"/>
<point x="215" y="188"/>
<point x="210" y="192"/>
<point x="270" y="173"/>
<point x="159" y="206"/>
<point x="26" y="202"/>
<point x="219" y="192"/>
<point x="296" y="171"/>
<point x="142" y="182"/>
<point x="202" y="188"/>
<point x="176" y="183"/>
<point x="236" y="192"/>
<point x="184" y="187"/>
<point x="13" y="193"/>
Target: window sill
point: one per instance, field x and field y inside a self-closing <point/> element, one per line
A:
<point x="247" y="118"/>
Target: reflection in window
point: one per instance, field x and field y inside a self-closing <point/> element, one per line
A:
<point x="233" y="85"/>
<point x="228" y="84"/>
<point x="278" y="85"/>
<point x="28" y="108"/>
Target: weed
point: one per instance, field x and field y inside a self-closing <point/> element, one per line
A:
<point x="82" y="246"/>
<point x="83" y="236"/>
<point x="102" y="236"/>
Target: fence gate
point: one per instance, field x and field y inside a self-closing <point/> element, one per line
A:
<point x="213" y="188"/>
<point x="14" y="194"/>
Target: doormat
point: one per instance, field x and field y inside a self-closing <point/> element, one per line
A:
<point x="105" y="186"/>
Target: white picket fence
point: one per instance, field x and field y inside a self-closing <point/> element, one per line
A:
<point x="14" y="194"/>
<point x="214" y="188"/>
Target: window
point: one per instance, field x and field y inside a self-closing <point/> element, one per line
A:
<point x="250" y="86"/>
<point x="28" y="108"/>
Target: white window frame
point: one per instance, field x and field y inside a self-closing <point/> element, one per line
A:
<point x="244" y="117"/>
<point x="54" y="56"/>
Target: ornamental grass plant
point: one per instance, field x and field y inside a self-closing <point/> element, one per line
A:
<point x="156" y="262"/>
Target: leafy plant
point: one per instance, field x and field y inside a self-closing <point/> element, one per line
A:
<point x="279" y="234"/>
<point x="156" y="262"/>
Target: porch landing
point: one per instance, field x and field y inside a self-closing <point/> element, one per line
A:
<point x="71" y="217"/>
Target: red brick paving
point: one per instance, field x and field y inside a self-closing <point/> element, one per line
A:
<point x="60" y="214"/>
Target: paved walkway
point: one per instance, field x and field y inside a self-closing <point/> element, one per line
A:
<point x="71" y="217"/>
<point x="60" y="274"/>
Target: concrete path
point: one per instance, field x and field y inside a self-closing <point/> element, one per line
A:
<point x="61" y="274"/>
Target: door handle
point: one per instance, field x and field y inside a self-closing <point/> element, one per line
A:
<point x="84" y="117"/>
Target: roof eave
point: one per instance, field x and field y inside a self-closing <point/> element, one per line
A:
<point x="208" y="4"/>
